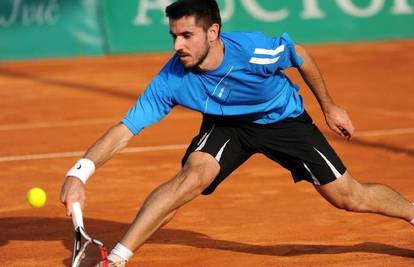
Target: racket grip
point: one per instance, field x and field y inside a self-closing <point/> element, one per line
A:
<point x="77" y="217"/>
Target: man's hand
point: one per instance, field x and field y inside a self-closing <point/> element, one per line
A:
<point x="72" y="190"/>
<point x="336" y="118"/>
<point x="339" y="121"/>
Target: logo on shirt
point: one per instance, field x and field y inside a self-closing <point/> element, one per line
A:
<point x="221" y="91"/>
<point x="220" y="94"/>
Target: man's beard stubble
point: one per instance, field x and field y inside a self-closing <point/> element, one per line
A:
<point x="200" y="60"/>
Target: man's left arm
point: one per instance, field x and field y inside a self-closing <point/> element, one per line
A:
<point x="336" y="117"/>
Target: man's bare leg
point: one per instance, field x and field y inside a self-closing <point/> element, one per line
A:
<point x="346" y="193"/>
<point x="161" y="205"/>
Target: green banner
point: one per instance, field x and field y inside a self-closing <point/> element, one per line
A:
<point x="140" y="25"/>
<point x="56" y="28"/>
<point x="49" y="28"/>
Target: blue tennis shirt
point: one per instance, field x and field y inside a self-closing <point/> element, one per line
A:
<point x="248" y="85"/>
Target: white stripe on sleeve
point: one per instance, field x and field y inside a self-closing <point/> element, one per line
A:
<point x="269" y="52"/>
<point x="263" y="61"/>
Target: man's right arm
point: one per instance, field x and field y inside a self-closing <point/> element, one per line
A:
<point x="113" y="141"/>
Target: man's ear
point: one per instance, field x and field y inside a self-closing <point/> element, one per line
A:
<point x="213" y="32"/>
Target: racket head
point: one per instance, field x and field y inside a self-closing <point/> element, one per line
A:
<point x="91" y="255"/>
<point x="86" y="250"/>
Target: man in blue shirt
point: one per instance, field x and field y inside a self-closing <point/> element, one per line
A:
<point x="247" y="83"/>
<point x="249" y="106"/>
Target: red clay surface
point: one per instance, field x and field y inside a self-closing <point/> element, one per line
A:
<point x="258" y="217"/>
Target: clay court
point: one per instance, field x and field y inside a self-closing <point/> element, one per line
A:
<point x="52" y="110"/>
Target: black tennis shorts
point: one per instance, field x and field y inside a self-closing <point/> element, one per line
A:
<point x="295" y="143"/>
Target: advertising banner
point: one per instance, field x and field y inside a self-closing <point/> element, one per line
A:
<point x="140" y="25"/>
<point x="49" y="28"/>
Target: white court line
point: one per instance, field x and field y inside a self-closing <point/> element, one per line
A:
<point x="26" y="126"/>
<point x="52" y="124"/>
<point x="15" y="208"/>
<point x="384" y="132"/>
<point x="177" y="147"/>
<point x="96" y="121"/>
<point x="80" y="153"/>
<point x="384" y="112"/>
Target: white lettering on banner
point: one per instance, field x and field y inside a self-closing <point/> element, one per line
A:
<point x="88" y="34"/>
<point x="401" y="7"/>
<point x="311" y="10"/>
<point x="144" y="6"/>
<point x="348" y="7"/>
<point x="258" y="12"/>
<point x="6" y="22"/>
<point x="228" y="10"/>
<point x="38" y="13"/>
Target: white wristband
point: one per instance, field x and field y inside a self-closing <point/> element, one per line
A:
<point x="83" y="169"/>
<point x="122" y="251"/>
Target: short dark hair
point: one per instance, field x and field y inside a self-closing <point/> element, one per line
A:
<point x="206" y="12"/>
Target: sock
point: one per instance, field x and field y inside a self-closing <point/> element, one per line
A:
<point x="120" y="252"/>
<point x="412" y="221"/>
<point x="115" y="258"/>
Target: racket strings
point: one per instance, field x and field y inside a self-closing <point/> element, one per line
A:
<point x="110" y="263"/>
<point x="91" y="255"/>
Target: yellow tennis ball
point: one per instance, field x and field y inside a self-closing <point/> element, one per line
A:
<point x="36" y="197"/>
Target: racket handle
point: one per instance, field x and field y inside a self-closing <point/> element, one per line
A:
<point x="77" y="217"/>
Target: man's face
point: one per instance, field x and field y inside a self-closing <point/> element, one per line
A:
<point x="190" y="41"/>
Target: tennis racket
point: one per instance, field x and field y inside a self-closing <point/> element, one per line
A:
<point x="86" y="250"/>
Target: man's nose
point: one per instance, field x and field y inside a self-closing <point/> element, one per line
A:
<point x="178" y="44"/>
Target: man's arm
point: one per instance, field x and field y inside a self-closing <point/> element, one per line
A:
<point x="113" y="141"/>
<point x="336" y="118"/>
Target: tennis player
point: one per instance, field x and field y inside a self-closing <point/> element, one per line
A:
<point x="249" y="106"/>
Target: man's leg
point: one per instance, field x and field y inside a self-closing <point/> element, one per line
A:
<point x="161" y="205"/>
<point x="348" y="194"/>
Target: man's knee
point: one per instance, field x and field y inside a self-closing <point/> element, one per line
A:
<point x="349" y="201"/>
<point x="344" y="193"/>
<point x="197" y="174"/>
